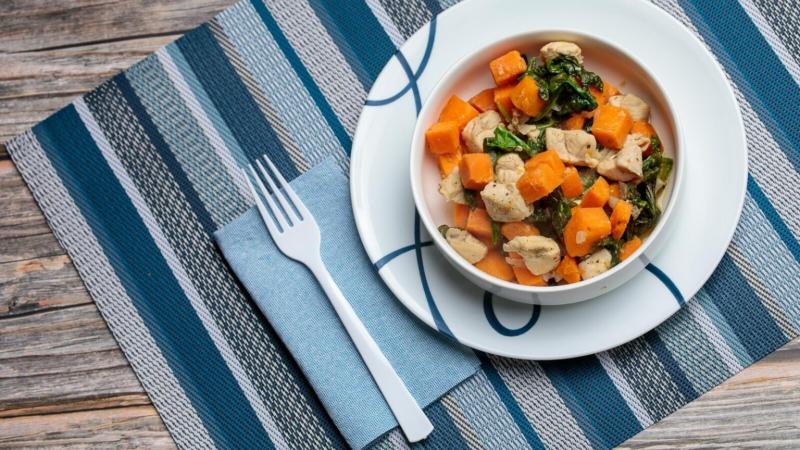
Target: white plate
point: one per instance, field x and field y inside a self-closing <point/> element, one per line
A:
<point x="716" y="175"/>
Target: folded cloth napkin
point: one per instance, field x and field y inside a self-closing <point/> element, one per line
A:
<point x="298" y="310"/>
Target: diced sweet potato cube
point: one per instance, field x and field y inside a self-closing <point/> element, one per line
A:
<point x="460" y="215"/>
<point x="597" y="195"/>
<point x="525" y="96"/>
<point x="585" y="228"/>
<point x="443" y="137"/>
<point x="510" y="230"/>
<point x="502" y="98"/>
<point x="573" y="122"/>
<point x="448" y="161"/>
<point x="484" y="100"/>
<point x="611" y="126"/>
<point x="568" y="270"/>
<point x="538" y="182"/>
<point x="629" y="247"/>
<point x="508" y="67"/>
<point x="620" y="217"/>
<point x="479" y="224"/>
<point x="458" y="110"/>
<point x="495" y="264"/>
<point x="476" y="170"/>
<point x="526" y="278"/>
<point x="572" y="186"/>
<point x="549" y="158"/>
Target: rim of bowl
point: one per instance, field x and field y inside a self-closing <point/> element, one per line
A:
<point x="418" y="153"/>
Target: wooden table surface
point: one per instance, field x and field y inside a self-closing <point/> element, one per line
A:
<point x="63" y="380"/>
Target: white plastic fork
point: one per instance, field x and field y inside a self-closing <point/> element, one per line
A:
<point x="297" y="235"/>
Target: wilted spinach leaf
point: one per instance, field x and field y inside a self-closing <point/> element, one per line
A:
<point x="443" y="230"/>
<point x="506" y="141"/>
<point x="495" y="233"/>
<point x="551" y="214"/>
<point x="469" y="196"/>
<point x="612" y="245"/>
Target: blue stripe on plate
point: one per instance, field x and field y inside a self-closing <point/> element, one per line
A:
<point x="594" y="400"/>
<point x="667" y="282"/>
<point x="773" y="92"/>
<point x="161" y="146"/>
<point x="136" y="259"/>
<point x="304" y="75"/>
<point x="229" y="94"/>
<point x="446" y="434"/>
<point x="491" y="317"/>
<point x="423" y="278"/>
<point x="510" y="402"/>
<point x="774" y="218"/>
<point x="670" y="365"/>
<point x="394" y="254"/>
<point x="743" y="310"/>
<point x="359" y="36"/>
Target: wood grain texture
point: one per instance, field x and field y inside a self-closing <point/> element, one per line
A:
<point x="64" y="383"/>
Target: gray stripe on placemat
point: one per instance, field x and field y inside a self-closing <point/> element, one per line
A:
<point x="460" y="420"/>
<point x="186" y="141"/>
<point x="628" y="394"/>
<point x="253" y="348"/>
<point x="541" y="403"/>
<point x="388" y="25"/>
<point x="408" y="15"/>
<point x="128" y="328"/>
<point x="204" y="122"/>
<point x="648" y="379"/>
<point x="393" y="440"/>
<point x="170" y="256"/>
<point x="322" y="58"/>
<point x="286" y="138"/>
<point x="784" y="17"/>
<point x="294" y="107"/>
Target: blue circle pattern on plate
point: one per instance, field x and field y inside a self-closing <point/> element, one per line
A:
<point x="418" y="245"/>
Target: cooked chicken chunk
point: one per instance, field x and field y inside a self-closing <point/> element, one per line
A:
<point x="624" y="165"/>
<point x="557" y="48"/>
<point x="636" y="107"/>
<point x="451" y="188"/>
<point x="504" y="203"/>
<point x="509" y="168"/>
<point x="638" y="140"/>
<point x="466" y="245"/>
<point x="597" y="263"/>
<point x="573" y="146"/>
<point x="480" y="128"/>
<point x="541" y="254"/>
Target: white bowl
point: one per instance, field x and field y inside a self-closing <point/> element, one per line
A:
<point x="471" y="75"/>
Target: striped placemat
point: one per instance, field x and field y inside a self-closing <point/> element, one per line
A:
<point x="135" y="176"/>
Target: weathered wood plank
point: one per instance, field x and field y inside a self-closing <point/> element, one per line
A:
<point x="19" y="215"/>
<point x="62" y="360"/>
<point x="758" y="408"/>
<point x="39" y="284"/>
<point x="129" y="427"/>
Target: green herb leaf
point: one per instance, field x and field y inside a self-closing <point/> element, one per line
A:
<point x="666" y="168"/>
<point x="588" y="177"/>
<point x="506" y="141"/>
<point x="443" y="230"/>
<point x="469" y="196"/>
<point x="551" y="214"/>
<point x="612" y="245"/>
<point x="495" y="233"/>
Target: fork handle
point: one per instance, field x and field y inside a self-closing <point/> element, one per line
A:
<point x="409" y="415"/>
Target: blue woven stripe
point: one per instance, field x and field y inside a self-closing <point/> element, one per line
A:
<point x="136" y="259"/>
<point x="446" y="435"/>
<point x="230" y="96"/>
<point x="774" y="218"/>
<point x="333" y="121"/>
<point x="510" y="402"/>
<point x="670" y="365"/>
<point x="742" y="49"/>
<point x="743" y="310"/>
<point x="359" y="36"/>
<point x="593" y="398"/>
<point x="187" y="188"/>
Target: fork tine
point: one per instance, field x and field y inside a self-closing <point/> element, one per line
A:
<point x="290" y="213"/>
<point x="265" y="216"/>
<point x="287" y="188"/>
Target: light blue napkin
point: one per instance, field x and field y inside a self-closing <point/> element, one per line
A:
<point x="300" y="313"/>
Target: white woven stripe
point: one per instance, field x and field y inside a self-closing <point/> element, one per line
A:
<point x="541" y="403"/>
<point x="222" y="151"/>
<point x="625" y="389"/>
<point x="772" y="39"/>
<point x="128" y="328"/>
<point x="714" y="337"/>
<point x="461" y="422"/>
<point x="322" y="58"/>
<point x="768" y="159"/>
<point x="181" y="276"/>
<point x="386" y="22"/>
